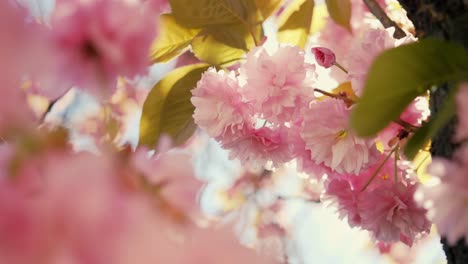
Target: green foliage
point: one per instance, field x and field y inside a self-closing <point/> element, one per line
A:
<point x="218" y="30"/>
<point x="295" y="23"/>
<point x="173" y="39"/>
<point x="202" y="13"/>
<point x="236" y="36"/>
<point x="208" y="49"/>
<point x="399" y="75"/>
<point x="429" y="129"/>
<point x="167" y="109"/>
<point x="267" y="7"/>
<point x="340" y="12"/>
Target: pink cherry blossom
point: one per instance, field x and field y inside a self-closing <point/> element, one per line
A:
<point x="212" y="246"/>
<point x="345" y="197"/>
<point x="99" y="40"/>
<point x="447" y="195"/>
<point x="382" y="206"/>
<point x="219" y="105"/>
<point x="276" y="80"/>
<point x="76" y="214"/>
<point x="21" y="41"/>
<point x="302" y="154"/>
<point x="255" y="146"/>
<point x="364" y="51"/>
<point x="14" y="110"/>
<point x="173" y="173"/>
<point x="324" y="56"/>
<point x="330" y="140"/>
<point x="336" y="38"/>
<point x="392" y="214"/>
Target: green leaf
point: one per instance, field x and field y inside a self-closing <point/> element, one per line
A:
<point x="172" y="40"/>
<point x="340" y="12"/>
<point x="430" y="129"/>
<point x="236" y="36"/>
<point x="167" y="109"/>
<point x="202" y="13"/>
<point x="399" y="75"/>
<point x="295" y="23"/>
<point x="208" y="49"/>
<point x="267" y="7"/>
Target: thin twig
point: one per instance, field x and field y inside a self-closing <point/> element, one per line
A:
<point x="378" y="169"/>
<point x="341" y="67"/>
<point x="336" y="96"/>
<point x="409" y="127"/>
<point x="51" y="105"/>
<point x="395" y="167"/>
<point x="380" y="14"/>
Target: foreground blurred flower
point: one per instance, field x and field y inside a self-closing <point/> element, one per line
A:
<point x="98" y="40"/>
<point x="91" y="209"/>
<point x="447" y="196"/>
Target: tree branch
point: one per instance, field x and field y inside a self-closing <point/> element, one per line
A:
<point x="380" y="14"/>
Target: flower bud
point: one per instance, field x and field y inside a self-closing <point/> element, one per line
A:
<point x="324" y="57"/>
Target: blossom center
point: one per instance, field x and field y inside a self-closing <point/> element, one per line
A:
<point x="341" y="134"/>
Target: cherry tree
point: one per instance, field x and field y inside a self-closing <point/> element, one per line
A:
<point x="336" y="103"/>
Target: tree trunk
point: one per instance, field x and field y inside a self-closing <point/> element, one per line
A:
<point x="445" y="19"/>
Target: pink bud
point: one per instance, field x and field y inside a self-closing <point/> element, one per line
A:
<point x="324" y="57"/>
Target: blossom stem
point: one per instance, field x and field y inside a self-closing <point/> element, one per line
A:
<point x="340" y="67"/>
<point x="406" y="125"/>
<point x="422" y="162"/>
<point x="347" y="100"/>
<point x="395" y="167"/>
<point x="252" y="33"/>
<point x="380" y="14"/>
<point x="378" y="169"/>
<point x="51" y="105"/>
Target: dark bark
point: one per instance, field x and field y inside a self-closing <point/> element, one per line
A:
<point x="445" y="19"/>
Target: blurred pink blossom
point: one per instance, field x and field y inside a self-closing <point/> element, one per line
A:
<point x="447" y="195"/>
<point x="364" y="51"/>
<point x="98" y="40"/>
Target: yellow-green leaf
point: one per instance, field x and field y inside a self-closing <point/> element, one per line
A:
<point x="173" y="39"/>
<point x="399" y="75"/>
<point x="202" y="13"/>
<point x="267" y="7"/>
<point x="236" y="36"/>
<point x="210" y="50"/>
<point x="167" y="109"/>
<point x="340" y="12"/>
<point x="319" y="19"/>
<point x="296" y="22"/>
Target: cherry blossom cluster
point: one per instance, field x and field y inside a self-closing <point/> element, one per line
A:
<point x="446" y="195"/>
<point x="271" y="111"/>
